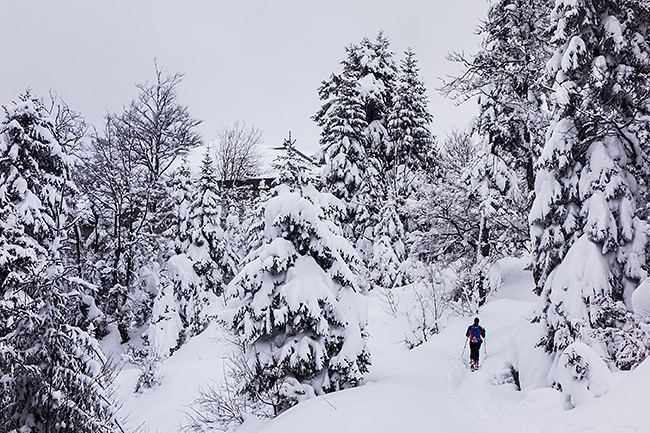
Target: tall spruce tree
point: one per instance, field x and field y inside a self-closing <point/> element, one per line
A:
<point x="373" y="65"/>
<point x="343" y="152"/>
<point x="412" y="163"/>
<point x="375" y="145"/>
<point x="587" y="234"/>
<point x="356" y="148"/>
<point x="51" y="367"/>
<point x="409" y="121"/>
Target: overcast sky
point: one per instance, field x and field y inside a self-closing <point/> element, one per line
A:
<point x="259" y="61"/>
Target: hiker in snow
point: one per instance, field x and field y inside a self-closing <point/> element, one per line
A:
<point x="475" y="334"/>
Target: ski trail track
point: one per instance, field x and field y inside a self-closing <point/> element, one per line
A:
<point x="485" y="400"/>
<point x="489" y="396"/>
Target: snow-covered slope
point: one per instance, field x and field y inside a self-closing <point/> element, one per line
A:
<point x="421" y="390"/>
<point x="164" y="408"/>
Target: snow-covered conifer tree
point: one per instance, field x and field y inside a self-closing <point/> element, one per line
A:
<point x="343" y="151"/>
<point x="411" y="162"/>
<point x="295" y="304"/>
<point x="215" y="260"/>
<point x="356" y="148"/>
<point x="409" y="119"/>
<point x="388" y="249"/>
<point x="51" y="368"/>
<point x="373" y="65"/>
<point x="588" y="237"/>
<point x="201" y="264"/>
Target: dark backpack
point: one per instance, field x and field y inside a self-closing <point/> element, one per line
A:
<point x="474" y="333"/>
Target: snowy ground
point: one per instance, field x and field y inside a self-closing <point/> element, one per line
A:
<point x="428" y="389"/>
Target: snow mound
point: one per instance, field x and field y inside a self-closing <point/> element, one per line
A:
<point x="582" y="374"/>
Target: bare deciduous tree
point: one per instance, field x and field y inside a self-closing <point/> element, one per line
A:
<point x="157" y="128"/>
<point x="237" y="152"/>
<point x="124" y="185"/>
<point x="69" y="127"/>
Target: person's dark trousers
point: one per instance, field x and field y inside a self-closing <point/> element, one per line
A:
<point x="473" y="351"/>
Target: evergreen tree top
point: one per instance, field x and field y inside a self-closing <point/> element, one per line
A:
<point x="370" y="57"/>
<point x="33" y="174"/>
<point x="294" y="170"/>
<point x="29" y="141"/>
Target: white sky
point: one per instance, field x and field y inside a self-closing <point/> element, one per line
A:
<point x="259" y="61"/>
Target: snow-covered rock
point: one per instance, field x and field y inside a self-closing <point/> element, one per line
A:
<point x="641" y="299"/>
<point x="582" y="374"/>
